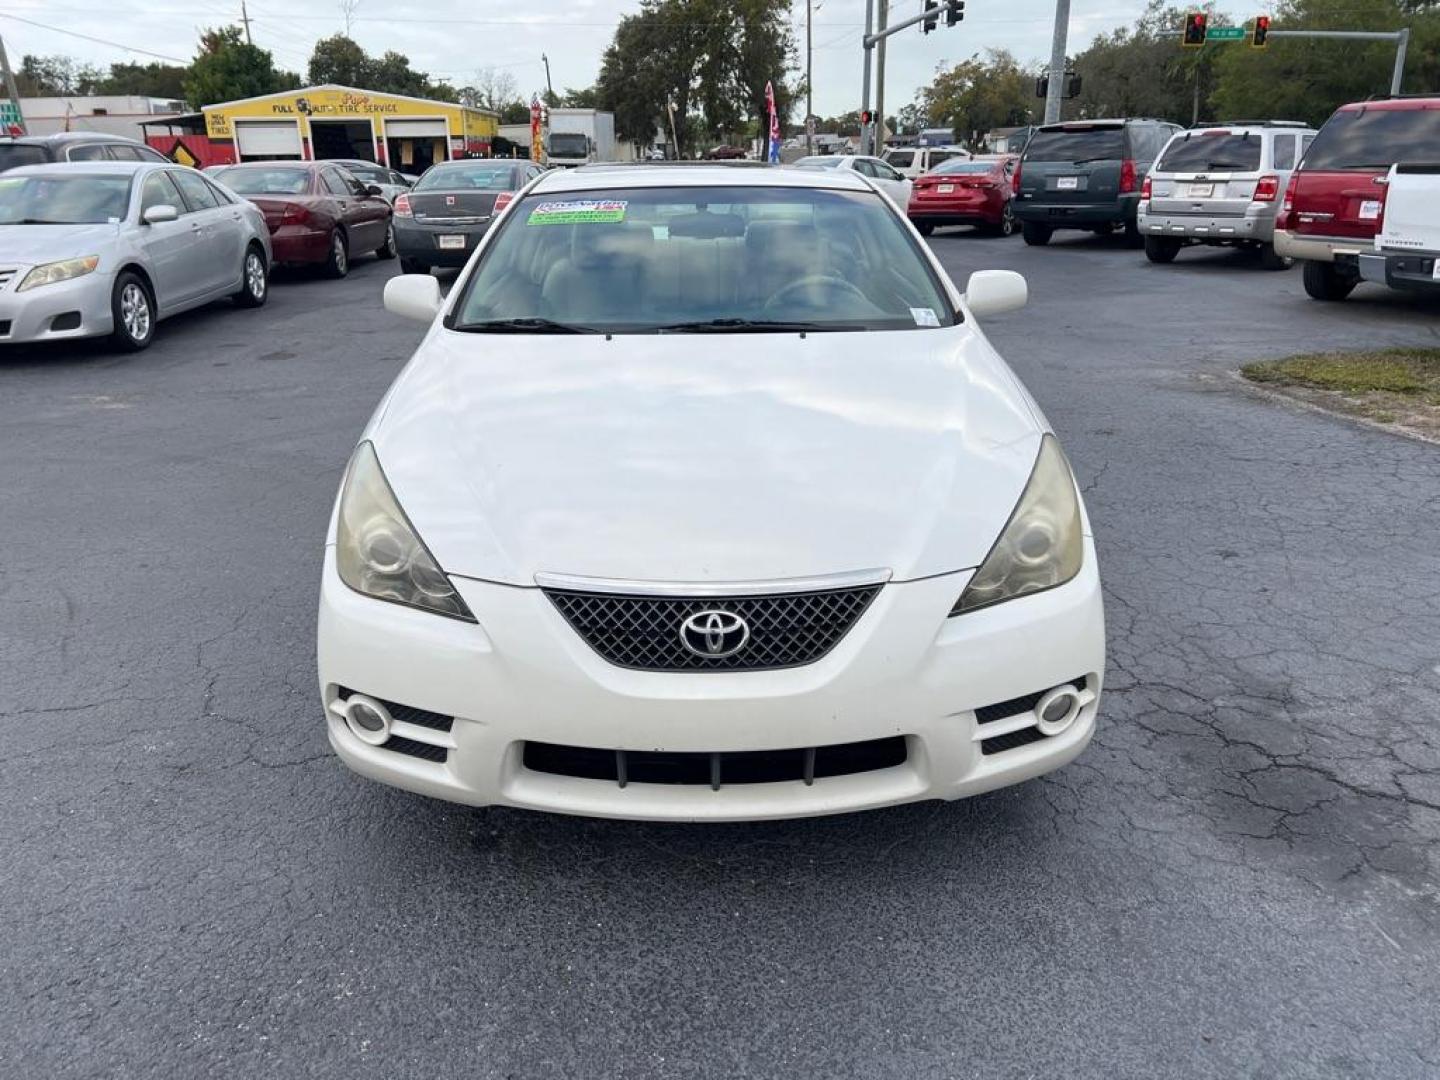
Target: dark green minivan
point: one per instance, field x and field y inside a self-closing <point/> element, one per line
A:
<point x="1086" y="174"/>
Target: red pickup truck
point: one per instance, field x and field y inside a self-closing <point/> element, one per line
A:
<point x="1336" y="198"/>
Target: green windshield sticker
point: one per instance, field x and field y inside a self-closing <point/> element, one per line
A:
<point x="578" y="211"/>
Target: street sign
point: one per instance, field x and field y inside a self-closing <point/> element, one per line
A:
<point x="810" y="126"/>
<point x="1226" y="33"/>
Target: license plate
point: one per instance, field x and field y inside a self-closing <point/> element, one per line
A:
<point x="1201" y="191"/>
<point x="452" y="243"/>
<point x="1370" y="210"/>
<point x="1067" y="183"/>
<point x="945" y="189"/>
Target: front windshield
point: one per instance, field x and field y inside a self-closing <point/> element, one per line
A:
<point x="486" y="176"/>
<point x="265" y="181"/>
<point x="819" y="162"/>
<point x="697" y="259"/>
<point x="63" y="200"/>
<point x="568" y="144"/>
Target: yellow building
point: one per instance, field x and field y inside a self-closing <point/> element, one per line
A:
<point x="323" y="122"/>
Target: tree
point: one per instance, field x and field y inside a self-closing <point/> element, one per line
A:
<point x="338" y="59"/>
<point x="517" y="112"/>
<point x="227" y="68"/>
<point x="588" y="98"/>
<point x="148" y="80"/>
<point x="56" y="76"/>
<point x="980" y="93"/>
<point x="392" y="74"/>
<point x="495" y="89"/>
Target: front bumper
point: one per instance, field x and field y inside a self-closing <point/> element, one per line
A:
<point x="421" y="241"/>
<point x="1413" y="270"/>
<point x="524" y="674"/>
<point x="1257" y="225"/>
<point x="79" y="308"/>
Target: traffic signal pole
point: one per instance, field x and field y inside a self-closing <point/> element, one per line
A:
<point x="1400" y="37"/>
<point x="871" y="39"/>
<point x="1056" y="89"/>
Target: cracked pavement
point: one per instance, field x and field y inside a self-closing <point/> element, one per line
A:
<point x="1238" y="878"/>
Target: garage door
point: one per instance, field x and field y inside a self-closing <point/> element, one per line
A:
<point x="416" y="129"/>
<point x="267" y="138"/>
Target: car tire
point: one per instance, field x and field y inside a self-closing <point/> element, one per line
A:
<point x="1270" y="259"/>
<point x="1323" y="281"/>
<point x="337" y="263"/>
<point x="410" y="266"/>
<point x="1036" y="235"/>
<point x="924" y="228"/>
<point x="133" y="308"/>
<point x="387" y="249"/>
<point x="1161" y="249"/>
<point x="254" y="279"/>
<point x="1006" y="225"/>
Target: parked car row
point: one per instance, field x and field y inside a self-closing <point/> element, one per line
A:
<point x="99" y="245"/>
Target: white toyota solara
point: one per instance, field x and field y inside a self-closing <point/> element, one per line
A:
<point x="705" y="498"/>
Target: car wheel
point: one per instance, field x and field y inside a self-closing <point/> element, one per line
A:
<point x="337" y="264"/>
<point x="387" y="250"/>
<point x="1161" y="249"/>
<point x="1006" y="227"/>
<point x="1036" y="235"/>
<point x="1323" y="281"/>
<point x="254" y="280"/>
<point x="924" y="228"/>
<point x="134" y="313"/>
<point x="1270" y="259"/>
<point x="410" y="266"/>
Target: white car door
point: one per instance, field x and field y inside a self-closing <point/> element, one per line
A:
<point x="217" y="265"/>
<point x="892" y="183"/>
<point x="169" y="246"/>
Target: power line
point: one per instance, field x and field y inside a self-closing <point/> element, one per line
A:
<point x="96" y="40"/>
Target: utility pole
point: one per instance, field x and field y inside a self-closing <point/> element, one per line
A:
<point x="548" y="88"/>
<point x="879" y="137"/>
<point x="865" y="76"/>
<point x="809" y="80"/>
<point x="1056" y="88"/>
<point x="245" y="18"/>
<point x="954" y="12"/>
<point x="10" y="88"/>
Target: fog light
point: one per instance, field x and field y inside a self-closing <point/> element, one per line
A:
<point x="1057" y="710"/>
<point x="367" y="719"/>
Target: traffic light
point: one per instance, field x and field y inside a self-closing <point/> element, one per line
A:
<point x="866" y="118"/>
<point x="1261" y="32"/>
<point x="1194" y="30"/>
<point x="954" y="11"/>
<point x="1072" y="84"/>
<point x="932" y="17"/>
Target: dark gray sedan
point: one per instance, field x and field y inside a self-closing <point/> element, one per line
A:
<point x="442" y="218"/>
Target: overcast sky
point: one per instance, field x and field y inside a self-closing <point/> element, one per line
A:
<point x="451" y="38"/>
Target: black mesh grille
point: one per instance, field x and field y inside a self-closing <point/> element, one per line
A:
<point x="720" y="769"/>
<point x="643" y="632"/>
<point x="407" y="713"/>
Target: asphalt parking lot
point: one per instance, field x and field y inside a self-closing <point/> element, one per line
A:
<point x="1239" y="877"/>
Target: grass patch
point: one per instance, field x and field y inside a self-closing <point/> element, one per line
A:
<point x="1390" y="386"/>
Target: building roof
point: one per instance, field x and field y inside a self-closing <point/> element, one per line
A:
<point x="280" y="94"/>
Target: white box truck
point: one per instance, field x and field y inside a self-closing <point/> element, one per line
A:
<point x="580" y="136"/>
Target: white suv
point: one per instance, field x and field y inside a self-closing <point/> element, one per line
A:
<point x="1221" y="184"/>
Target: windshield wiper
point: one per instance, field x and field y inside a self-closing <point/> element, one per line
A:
<point x="1228" y="165"/>
<point x="1090" y="160"/>
<point x="743" y="326"/>
<point x="524" y="326"/>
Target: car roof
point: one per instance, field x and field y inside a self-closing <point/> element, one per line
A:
<point x="707" y="174"/>
<point x="101" y="168"/>
<point x="1397" y="104"/>
<point x="70" y="137"/>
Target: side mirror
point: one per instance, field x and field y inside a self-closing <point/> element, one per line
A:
<point x="154" y="215"/>
<point x="373" y="189"/>
<point x="993" y="292"/>
<point x="415" y="296"/>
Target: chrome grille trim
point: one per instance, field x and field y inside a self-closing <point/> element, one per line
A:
<point x="636" y="587"/>
<point x="642" y="632"/>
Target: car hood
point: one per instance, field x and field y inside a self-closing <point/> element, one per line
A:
<point x="30" y="244"/>
<point x="707" y="458"/>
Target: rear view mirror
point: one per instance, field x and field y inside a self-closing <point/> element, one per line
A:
<point x="993" y="292"/>
<point x="415" y="296"/>
<point x="373" y="189"/>
<point x="154" y="215"/>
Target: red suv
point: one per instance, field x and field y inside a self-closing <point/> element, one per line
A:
<point x="1336" y="198"/>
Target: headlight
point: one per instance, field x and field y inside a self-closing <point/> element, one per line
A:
<point x="1041" y="545"/>
<point x="378" y="552"/>
<point x="64" y="270"/>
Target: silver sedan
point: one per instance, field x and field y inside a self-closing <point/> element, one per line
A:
<point x="110" y="248"/>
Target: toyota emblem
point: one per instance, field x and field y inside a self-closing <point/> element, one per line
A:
<point x="714" y="635"/>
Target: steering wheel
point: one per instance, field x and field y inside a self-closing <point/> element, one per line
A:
<point x="811" y="281"/>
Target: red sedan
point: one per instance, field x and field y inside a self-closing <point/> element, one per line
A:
<point x="317" y="212"/>
<point x="975" y="192"/>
